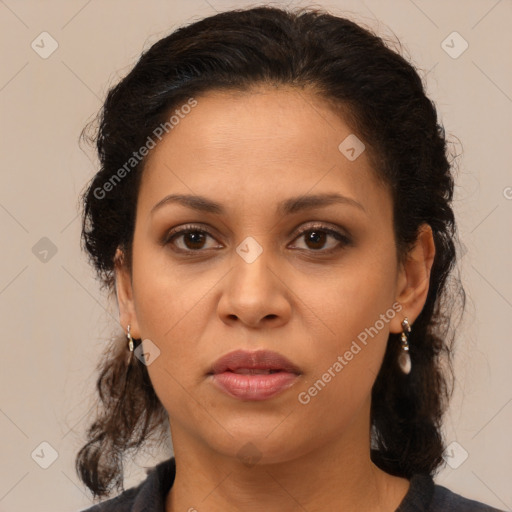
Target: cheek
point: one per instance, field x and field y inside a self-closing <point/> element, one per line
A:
<point x="165" y="294"/>
<point x="346" y="362"/>
<point x="352" y="327"/>
<point x="354" y="296"/>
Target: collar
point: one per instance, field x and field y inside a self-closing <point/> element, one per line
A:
<point x="153" y="491"/>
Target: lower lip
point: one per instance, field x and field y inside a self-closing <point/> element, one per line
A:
<point x="254" y="387"/>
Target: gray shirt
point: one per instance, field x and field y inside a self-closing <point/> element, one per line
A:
<point x="149" y="496"/>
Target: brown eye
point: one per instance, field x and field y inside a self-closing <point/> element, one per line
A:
<point x="194" y="239"/>
<point x="316" y="237"/>
<point x="188" y="238"/>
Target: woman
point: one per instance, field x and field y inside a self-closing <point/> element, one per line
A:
<point x="273" y="212"/>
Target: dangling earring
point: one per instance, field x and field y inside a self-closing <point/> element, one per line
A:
<point x="130" y="340"/>
<point x="404" y="359"/>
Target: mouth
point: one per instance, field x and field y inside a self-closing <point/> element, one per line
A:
<point x="253" y="375"/>
<point x="254" y="371"/>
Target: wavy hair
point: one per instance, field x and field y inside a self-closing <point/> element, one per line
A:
<point x="382" y="97"/>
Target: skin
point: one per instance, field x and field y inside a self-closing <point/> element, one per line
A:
<point x="249" y="151"/>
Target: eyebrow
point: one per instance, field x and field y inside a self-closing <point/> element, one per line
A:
<point x="286" y="207"/>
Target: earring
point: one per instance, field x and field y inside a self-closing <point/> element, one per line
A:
<point x="130" y="340"/>
<point x="404" y="359"/>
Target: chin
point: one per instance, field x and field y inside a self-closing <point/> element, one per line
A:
<point x="252" y="446"/>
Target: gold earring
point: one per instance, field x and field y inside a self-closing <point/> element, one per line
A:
<point x="404" y="359"/>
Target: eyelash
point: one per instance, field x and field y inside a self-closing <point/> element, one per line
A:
<point x="191" y="228"/>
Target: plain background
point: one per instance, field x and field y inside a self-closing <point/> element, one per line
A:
<point x="54" y="318"/>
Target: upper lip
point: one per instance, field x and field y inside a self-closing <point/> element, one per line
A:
<point x="259" y="360"/>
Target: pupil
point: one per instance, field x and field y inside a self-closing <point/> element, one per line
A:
<point x="195" y="238"/>
<point x="317" y="237"/>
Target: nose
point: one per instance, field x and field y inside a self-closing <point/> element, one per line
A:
<point x="256" y="293"/>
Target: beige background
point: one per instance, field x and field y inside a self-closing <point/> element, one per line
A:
<point x="54" y="319"/>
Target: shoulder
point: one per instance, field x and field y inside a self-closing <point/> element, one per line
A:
<point x="445" y="500"/>
<point x="149" y="495"/>
<point x="426" y="496"/>
<point x="122" y="503"/>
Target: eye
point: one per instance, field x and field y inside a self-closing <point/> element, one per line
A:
<point x="192" y="239"/>
<point x="316" y="236"/>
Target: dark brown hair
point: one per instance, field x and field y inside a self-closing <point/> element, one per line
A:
<point x="385" y="101"/>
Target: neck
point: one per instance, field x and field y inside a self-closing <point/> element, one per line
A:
<point x="336" y="474"/>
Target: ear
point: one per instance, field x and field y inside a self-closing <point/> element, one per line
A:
<point x="414" y="278"/>
<point x="127" y="315"/>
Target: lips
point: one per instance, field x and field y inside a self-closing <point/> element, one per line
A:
<point x="253" y="376"/>
<point x="253" y="363"/>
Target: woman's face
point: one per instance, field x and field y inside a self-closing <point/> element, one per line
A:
<point x="247" y="279"/>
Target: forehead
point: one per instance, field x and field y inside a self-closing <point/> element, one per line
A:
<point x="267" y="142"/>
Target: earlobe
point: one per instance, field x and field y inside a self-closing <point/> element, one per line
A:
<point x="124" y="293"/>
<point x="414" y="279"/>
